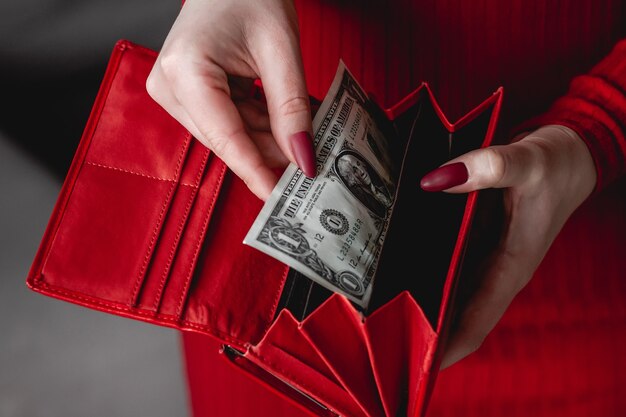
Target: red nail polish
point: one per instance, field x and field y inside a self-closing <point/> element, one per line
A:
<point x="302" y="148"/>
<point x="445" y="177"/>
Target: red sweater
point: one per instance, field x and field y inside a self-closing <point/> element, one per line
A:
<point x="595" y="107"/>
<point x="558" y="350"/>
<point x="466" y="49"/>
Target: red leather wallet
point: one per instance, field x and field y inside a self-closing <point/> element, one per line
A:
<point x="149" y="225"/>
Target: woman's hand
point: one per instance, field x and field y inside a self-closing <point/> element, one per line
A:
<point x="546" y="175"/>
<point x="205" y="72"/>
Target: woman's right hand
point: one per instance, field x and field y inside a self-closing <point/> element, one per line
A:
<point x="206" y="69"/>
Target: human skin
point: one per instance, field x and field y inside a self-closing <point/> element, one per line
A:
<point x="545" y="176"/>
<point x="204" y="72"/>
<point x="202" y="76"/>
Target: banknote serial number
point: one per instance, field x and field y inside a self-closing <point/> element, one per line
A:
<point x="349" y="241"/>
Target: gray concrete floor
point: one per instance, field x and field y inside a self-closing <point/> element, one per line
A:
<point x="58" y="359"/>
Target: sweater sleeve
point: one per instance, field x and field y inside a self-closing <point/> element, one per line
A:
<point x="595" y="108"/>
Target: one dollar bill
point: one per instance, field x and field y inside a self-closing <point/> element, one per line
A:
<point x="331" y="228"/>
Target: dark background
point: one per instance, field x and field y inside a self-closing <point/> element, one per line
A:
<point x="57" y="359"/>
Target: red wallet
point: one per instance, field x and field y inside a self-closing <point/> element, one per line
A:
<point x="149" y="225"/>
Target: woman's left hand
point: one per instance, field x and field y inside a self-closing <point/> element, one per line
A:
<point x="546" y="175"/>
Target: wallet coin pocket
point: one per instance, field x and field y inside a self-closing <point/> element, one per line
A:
<point x="159" y="271"/>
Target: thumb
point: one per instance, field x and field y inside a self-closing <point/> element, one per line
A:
<point x="282" y="74"/>
<point x="493" y="167"/>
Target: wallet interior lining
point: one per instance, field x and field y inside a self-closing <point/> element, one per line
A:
<point x="424" y="228"/>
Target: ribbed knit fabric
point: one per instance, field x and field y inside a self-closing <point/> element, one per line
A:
<point x="466" y="49"/>
<point x="595" y="107"/>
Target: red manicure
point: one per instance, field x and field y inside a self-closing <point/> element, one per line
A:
<point x="445" y="177"/>
<point x="302" y="148"/>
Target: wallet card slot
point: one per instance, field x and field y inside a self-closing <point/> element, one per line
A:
<point x="107" y="232"/>
<point x="134" y="133"/>
<point x="172" y="231"/>
<point x="183" y="266"/>
<point x="235" y="288"/>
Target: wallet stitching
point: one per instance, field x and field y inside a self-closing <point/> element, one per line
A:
<point x="93" y="122"/>
<point x="104" y="305"/>
<point x="139" y="173"/>
<point x="155" y="232"/>
<point x="151" y="245"/>
<point x="170" y="257"/>
<point x="200" y="240"/>
<point x="179" y="231"/>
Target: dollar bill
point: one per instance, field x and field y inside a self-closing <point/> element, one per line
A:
<point x="331" y="228"/>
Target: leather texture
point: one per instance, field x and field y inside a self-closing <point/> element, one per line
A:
<point x="149" y="225"/>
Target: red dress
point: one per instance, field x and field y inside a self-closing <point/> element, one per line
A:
<point x="558" y="349"/>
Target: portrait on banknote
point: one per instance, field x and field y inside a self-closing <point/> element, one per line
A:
<point x="363" y="182"/>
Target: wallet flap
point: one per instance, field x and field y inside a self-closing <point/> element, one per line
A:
<point x="132" y="231"/>
<point x="84" y="234"/>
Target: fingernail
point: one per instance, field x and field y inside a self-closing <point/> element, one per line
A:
<point x="445" y="177"/>
<point x="302" y="148"/>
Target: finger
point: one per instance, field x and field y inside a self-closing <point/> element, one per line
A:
<point x="486" y="307"/>
<point x="280" y="68"/>
<point x="493" y="167"/>
<point x="519" y="136"/>
<point x="240" y="87"/>
<point x="254" y="114"/>
<point x="160" y="92"/>
<point x="205" y="95"/>
<point x="272" y="155"/>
